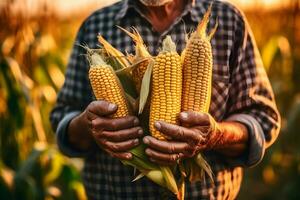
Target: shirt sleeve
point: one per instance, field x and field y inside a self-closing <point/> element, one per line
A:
<point x="251" y="99"/>
<point x="74" y="95"/>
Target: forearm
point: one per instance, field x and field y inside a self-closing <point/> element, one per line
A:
<point x="233" y="138"/>
<point x="78" y="135"/>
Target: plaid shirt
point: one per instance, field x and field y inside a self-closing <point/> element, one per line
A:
<point x="241" y="92"/>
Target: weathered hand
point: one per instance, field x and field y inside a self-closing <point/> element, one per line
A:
<point x="116" y="136"/>
<point x="199" y="131"/>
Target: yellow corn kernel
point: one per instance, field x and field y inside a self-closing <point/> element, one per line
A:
<point x="166" y="87"/>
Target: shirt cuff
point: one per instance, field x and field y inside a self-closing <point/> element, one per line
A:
<point x="62" y="140"/>
<point x="256" y="142"/>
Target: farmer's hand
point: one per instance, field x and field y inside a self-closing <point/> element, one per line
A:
<point x="116" y="136"/>
<point x="199" y="131"/>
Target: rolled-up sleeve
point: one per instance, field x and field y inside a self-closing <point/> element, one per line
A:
<point x="256" y="143"/>
<point x="251" y="99"/>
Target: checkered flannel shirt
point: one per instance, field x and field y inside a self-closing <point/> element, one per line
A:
<point x="241" y="92"/>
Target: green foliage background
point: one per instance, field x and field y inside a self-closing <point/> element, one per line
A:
<point x="33" y="55"/>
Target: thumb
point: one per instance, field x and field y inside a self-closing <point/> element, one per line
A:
<point x="192" y="118"/>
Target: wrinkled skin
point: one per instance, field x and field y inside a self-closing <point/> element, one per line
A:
<point x="116" y="136"/>
<point x="198" y="132"/>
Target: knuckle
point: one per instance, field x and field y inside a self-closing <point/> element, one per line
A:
<point x="195" y="137"/>
<point x="180" y="132"/>
<point x="114" y="124"/>
<point x="97" y="123"/>
<point x="171" y="148"/>
<point x="134" y="142"/>
<point x="114" y="147"/>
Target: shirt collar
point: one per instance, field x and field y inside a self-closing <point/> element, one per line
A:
<point x="196" y="10"/>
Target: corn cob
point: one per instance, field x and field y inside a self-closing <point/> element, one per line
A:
<point x="197" y="69"/>
<point x="166" y="87"/>
<point x="141" y="57"/>
<point x="106" y="86"/>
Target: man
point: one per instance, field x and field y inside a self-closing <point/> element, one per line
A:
<point x="243" y="119"/>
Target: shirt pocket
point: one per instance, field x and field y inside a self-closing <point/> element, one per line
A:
<point x="219" y="96"/>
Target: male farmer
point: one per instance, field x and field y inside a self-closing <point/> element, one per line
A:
<point x="243" y="120"/>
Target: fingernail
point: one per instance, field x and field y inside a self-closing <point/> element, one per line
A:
<point x="146" y="140"/>
<point x="112" y="107"/>
<point x="128" y="156"/>
<point x="157" y="125"/>
<point x="140" y="132"/>
<point x="147" y="151"/>
<point x="184" y="115"/>
<point x="136" y="141"/>
<point x="136" y="121"/>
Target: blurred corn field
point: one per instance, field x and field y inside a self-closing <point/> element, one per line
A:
<point x="34" y="49"/>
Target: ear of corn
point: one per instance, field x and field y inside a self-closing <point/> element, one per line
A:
<point x="106" y="86"/>
<point x="197" y="82"/>
<point x="197" y="70"/>
<point x="166" y="87"/>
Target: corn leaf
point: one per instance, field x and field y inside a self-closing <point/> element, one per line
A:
<point x="156" y="176"/>
<point x="145" y="88"/>
<point x="131" y="67"/>
<point x="169" y="178"/>
<point x="181" y="188"/>
<point x="133" y="103"/>
<point x="114" y="52"/>
<point x="205" y="166"/>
